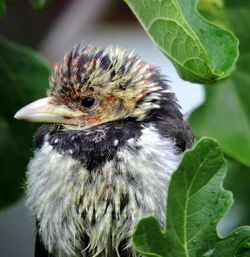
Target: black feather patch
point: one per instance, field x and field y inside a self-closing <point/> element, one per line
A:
<point x="93" y="146"/>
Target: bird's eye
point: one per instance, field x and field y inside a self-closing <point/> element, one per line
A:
<point x="87" y="102"/>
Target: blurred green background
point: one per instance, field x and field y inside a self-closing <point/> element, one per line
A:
<point x="31" y="41"/>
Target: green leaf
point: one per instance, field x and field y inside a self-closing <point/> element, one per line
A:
<point x="200" y="51"/>
<point x="24" y="77"/>
<point x="235" y="244"/>
<point x="196" y="202"/>
<point x="40" y="5"/>
<point x="225" y="115"/>
<point x="145" y="243"/>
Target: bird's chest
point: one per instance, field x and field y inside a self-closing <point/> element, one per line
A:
<point x="102" y="204"/>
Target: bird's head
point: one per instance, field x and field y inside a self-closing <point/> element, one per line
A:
<point x="93" y="86"/>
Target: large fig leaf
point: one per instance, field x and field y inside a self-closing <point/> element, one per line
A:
<point x="201" y="51"/>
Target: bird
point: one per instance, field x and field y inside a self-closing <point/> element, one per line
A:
<point x="111" y="135"/>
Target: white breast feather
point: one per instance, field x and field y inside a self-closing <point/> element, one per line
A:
<point x="59" y="191"/>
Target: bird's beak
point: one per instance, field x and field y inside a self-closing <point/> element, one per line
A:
<point x="46" y="110"/>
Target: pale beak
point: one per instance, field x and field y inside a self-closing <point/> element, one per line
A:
<point x="46" y="110"/>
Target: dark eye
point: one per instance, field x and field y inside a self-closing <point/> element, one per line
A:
<point x="87" y="102"/>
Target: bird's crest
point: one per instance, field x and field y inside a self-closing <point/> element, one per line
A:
<point x="111" y="73"/>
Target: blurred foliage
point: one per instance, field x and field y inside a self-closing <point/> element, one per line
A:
<point x="24" y="77"/>
<point x="237" y="181"/>
<point x="200" y="51"/>
<point x="2" y="8"/>
<point x="196" y="202"/>
<point x="225" y="115"/>
<point x="38" y="5"/>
